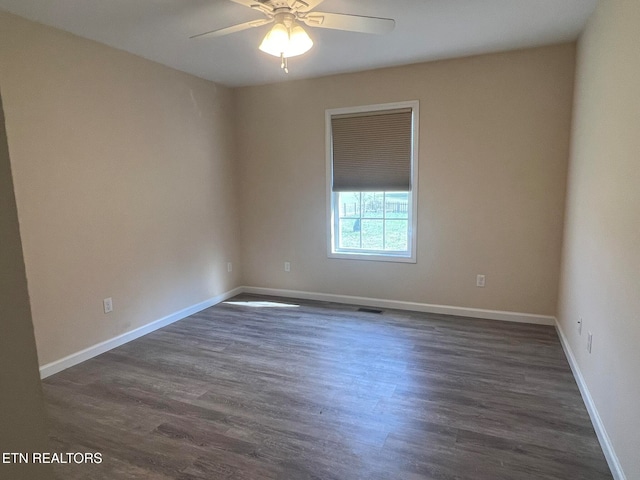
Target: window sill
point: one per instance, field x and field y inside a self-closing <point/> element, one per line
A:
<point x="372" y="257"/>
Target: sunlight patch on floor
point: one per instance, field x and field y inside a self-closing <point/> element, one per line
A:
<point x="263" y="304"/>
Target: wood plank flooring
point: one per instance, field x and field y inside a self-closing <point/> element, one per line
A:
<point x="251" y="391"/>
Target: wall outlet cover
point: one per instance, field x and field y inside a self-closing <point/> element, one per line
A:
<point x="107" y="304"/>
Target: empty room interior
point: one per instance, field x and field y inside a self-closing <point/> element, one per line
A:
<point x="313" y="239"/>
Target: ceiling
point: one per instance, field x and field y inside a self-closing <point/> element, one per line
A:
<point x="425" y="30"/>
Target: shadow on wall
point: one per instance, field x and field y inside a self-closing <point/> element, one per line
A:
<point x="22" y="417"/>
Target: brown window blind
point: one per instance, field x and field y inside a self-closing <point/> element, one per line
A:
<point x="372" y="151"/>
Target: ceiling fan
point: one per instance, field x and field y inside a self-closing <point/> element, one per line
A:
<point x="287" y="38"/>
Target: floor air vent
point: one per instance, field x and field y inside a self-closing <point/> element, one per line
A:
<point x="369" y="310"/>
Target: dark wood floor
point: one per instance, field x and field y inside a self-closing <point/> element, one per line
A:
<point x="322" y="391"/>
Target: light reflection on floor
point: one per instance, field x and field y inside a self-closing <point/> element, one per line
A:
<point x="256" y="304"/>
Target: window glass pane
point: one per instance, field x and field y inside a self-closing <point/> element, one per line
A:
<point x="372" y="204"/>
<point x="349" y="204"/>
<point x="372" y="234"/>
<point x="396" y="235"/>
<point x="349" y="233"/>
<point x="372" y="222"/>
<point x="397" y="205"/>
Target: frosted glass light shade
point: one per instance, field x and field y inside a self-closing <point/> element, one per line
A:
<point x="276" y="41"/>
<point x="299" y="42"/>
<point x="279" y="42"/>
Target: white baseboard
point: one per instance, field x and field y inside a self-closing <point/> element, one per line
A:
<point x="79" y="357"/>
<point x="412" y="306"/>
<point x="601" y="432"/>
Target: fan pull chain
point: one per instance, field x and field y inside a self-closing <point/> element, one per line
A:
<point x="284" y="64"/>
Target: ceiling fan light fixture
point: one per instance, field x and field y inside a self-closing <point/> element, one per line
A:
<point x="286" y="42"/>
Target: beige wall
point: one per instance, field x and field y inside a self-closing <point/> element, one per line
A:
<point x="494" y="139"/>
<point x="124" y="180"/>
<point x="601" y="261"/>
<point x="22" y="421"/>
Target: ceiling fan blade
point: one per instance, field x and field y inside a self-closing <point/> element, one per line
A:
<point x="304" y="5"/>
<point x="256" y="5"/>
<point x="235" y="28"/>
<point x="350" y="23"/>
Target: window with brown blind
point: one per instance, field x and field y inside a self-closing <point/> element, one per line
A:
<point x="372" y="161"/>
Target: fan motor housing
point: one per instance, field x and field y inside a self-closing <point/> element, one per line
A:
<point x="275" y="4"/>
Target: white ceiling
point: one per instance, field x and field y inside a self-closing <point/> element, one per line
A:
<point x="425" y="30"/>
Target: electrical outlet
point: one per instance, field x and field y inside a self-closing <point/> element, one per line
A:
<point x="480" y="279"/>
<point x="589" y="342"/>
<point x="107" y="303"/>
<point x="287" y="266"/>
<point x="229" y="267"/>
<point x="580" y="326"/>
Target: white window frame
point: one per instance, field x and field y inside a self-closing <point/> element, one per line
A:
<point x="381" y="255"/>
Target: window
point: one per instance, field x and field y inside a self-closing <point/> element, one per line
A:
<point x="372" y="181"/>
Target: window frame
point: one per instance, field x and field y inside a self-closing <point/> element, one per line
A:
<point x="332" y="221"/>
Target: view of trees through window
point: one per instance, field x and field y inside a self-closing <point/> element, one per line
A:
<point x="373" y="221"/>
